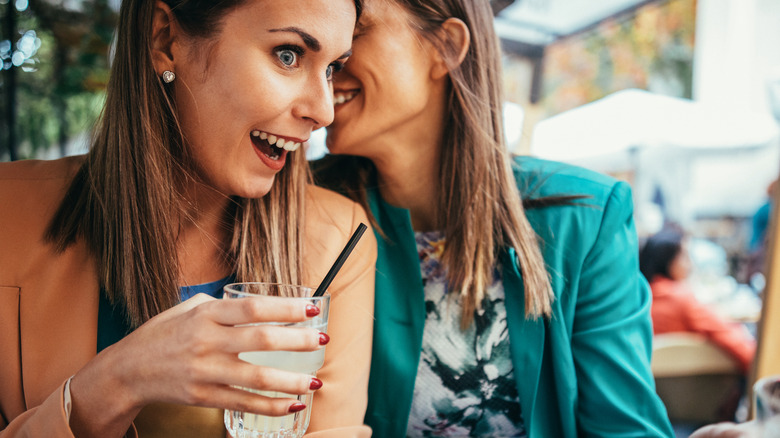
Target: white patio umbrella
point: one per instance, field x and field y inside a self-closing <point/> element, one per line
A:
<point x="705" y="160"/>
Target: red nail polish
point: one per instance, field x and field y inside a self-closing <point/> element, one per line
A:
<point x="296" y="407"/>
<point x="312" y="310"/>
<point x="315" y="383"/>
<point x="324" y="338"/>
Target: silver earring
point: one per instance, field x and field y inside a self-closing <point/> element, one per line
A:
<point x="168" y="76"/>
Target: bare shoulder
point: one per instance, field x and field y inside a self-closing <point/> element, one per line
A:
<point x="327" y="207"/>
<point x="321" y="195"/>
<point x="330" y="220"/>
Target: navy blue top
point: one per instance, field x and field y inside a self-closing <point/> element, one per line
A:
<point x="112" y="319"/>
<point x="214" y="288"/>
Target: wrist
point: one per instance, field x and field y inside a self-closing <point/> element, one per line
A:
<point x="101" y="405"/>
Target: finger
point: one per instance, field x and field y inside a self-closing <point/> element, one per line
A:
<point x="236" y="399"/>
<point x="703" y="432"/>
<point x="186" y="306"/>
<point x="256" y="309"/>
<point x="196" y="300"/>
<point x="236" y="372"/>
<point x="270" y="338"/>
<point x="723" y="430"/>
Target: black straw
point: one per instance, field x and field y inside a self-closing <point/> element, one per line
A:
<point x="340" y="260"/>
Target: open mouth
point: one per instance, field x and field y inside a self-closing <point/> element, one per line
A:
<point x="341" y="97"/>
<point x="272" y="146"/>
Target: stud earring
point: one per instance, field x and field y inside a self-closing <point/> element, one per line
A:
<point x="168" y="76"/>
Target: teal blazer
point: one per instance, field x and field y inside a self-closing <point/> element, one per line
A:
<point x="583" y="372"/>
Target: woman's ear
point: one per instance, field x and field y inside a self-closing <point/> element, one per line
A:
<point x="457" y="39"/>
<point x="163" y="36"/>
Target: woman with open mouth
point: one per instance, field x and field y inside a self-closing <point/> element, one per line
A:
<point x="110" y="263"/>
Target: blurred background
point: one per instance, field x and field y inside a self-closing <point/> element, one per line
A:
<point x="680" y="98"/>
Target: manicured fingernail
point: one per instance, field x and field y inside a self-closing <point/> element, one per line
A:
<point x="315" y="383"/>
<point x="296" y="407"/>
<point x="324" y="338"/>
<point x="312" y="310"/>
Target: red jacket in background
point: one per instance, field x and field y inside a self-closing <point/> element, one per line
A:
<point x="676" y="309"/>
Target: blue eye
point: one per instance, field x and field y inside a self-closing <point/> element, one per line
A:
<point x="288" y="56"/>
<point x="334" y="68"/>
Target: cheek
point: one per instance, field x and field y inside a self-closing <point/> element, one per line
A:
<point x="240" y="89"/>
<point x="201" y="110"/>
<point x="402" y="79"/>
<point x="269" y="101"/>
<point x="396" y="76"/>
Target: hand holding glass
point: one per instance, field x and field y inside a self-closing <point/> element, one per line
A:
<point x="247" y="425"/>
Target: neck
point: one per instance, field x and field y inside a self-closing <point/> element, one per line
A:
<point x="412" y="183"/>
<point x="204" y="236"/>
<point x="409" y="160"/>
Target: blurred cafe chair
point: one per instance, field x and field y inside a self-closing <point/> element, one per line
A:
<point x="697" y="381"/>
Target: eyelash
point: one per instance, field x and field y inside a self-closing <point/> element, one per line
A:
<point x="335" y="67"/>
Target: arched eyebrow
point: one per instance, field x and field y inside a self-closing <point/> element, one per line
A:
<point x="311" y="42"/>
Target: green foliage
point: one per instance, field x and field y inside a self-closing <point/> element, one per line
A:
<point x="650" y="49"/>
<point x="60" y="89"/>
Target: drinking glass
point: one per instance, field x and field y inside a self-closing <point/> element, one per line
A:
<point x="767" y="394"/>
<point x="247" y="425"/>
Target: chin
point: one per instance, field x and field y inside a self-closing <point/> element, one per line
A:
<point x="337" y="144"/>
<point x="257" y="190"/>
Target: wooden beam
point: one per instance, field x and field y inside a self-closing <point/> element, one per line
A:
<point x="767" y="360"/>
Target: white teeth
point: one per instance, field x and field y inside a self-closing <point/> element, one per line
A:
<point x="279" y="142"/>
<point x="340" y="98"/>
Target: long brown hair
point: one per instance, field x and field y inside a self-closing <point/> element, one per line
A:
<point x="480" y="209"/>
<point x="127" y="200"/>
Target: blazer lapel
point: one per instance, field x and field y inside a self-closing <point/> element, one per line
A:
<point x="526" y="339"/>
<point x="400" y="315"/>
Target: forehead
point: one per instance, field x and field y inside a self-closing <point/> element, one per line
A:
<point x="388" y="12"/>
<point x="329" y="21"/>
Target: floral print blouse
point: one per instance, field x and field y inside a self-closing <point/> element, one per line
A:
<point x="465" y="384"/>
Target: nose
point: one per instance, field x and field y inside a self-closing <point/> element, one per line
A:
<point x="316" y="102"/>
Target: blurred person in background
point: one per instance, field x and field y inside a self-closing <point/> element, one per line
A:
<point x="760" y="224"/>
<point x="761" y="219"/>
<point x="666" y="264"/>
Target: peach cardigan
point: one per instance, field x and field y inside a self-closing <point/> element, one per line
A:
<point x="49" y="306"/>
